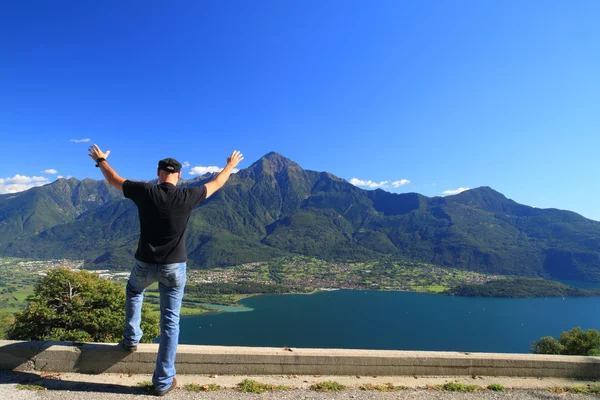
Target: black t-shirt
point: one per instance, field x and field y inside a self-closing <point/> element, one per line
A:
<point x="164" y="212"/>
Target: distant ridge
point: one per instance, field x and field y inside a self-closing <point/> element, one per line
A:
<point x="274" y="207"/>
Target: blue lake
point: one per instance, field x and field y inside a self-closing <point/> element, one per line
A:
<point x="392" y="320"/>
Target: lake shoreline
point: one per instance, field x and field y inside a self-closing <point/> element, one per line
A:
<point x="318" y="290"/>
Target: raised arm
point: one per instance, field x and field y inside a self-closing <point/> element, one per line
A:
<point x="219" y="181"/>
<point x="109" y="174"/>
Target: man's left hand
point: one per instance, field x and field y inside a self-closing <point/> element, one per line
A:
<point x="95" y="153"/>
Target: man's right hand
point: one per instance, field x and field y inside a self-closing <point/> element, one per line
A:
<point x="234" y="159"/>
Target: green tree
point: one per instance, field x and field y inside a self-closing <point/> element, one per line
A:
<point x="578" y="342"/>
<point x="574" y="342"/>
<point x="547" y="345"/>
<point x="77" y="306"/>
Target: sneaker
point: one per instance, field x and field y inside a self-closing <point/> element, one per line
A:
<point x="127" y="347"/>
<point x="167" y="390"/>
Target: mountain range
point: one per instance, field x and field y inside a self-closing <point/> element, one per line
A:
<point x="276" y="208"/>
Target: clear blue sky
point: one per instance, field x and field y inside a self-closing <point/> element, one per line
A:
<point x="446" y="94"/>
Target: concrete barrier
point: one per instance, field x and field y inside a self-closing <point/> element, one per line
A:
<point x="94" y="358"/>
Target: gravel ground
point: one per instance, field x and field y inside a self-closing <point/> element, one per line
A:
<point x="113" y="387"/>
<point x="10" y="392"/>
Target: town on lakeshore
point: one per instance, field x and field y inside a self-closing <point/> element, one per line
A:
<point x="286" y="275"/>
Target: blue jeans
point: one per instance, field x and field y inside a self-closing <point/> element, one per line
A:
<point x="171" y="282"/>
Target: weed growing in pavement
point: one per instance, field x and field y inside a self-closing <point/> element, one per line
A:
<point x="250" y="386"/>
<point x="496" y="387"/>
<point x="388" y="387"/>
<point x="194" y="387"/>
<point x="458" y="387"/>
<point x="327" y="386"/>
<point x="145" y="386"/>
<point x="36" y="388"/>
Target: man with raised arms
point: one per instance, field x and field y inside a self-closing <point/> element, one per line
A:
<point x="164" y="211"/>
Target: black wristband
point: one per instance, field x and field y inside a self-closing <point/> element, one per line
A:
<point x="99" y="160"/>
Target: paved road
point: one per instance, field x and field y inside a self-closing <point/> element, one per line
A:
<point x="114" y="386"/>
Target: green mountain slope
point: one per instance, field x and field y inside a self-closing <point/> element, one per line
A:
<point x="35" y="210"/>
<point x="274" y="208"/>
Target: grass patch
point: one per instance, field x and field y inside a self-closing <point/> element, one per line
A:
<point x="35" y="388"/>
<point x="155" y="310"/>
<point x="578" y="389"/>
<point x="328" y="386"/>
<point x="388" y="387"/>
<point x="250" y="386"/>
<point x="435" y="288"/>
<point x="458" y="387"/>
<point x="145" y="386"/>
<point x="11" y="310"/>
<point x="496" y="387"/>
<point x="21" y="295"/>
<point x="594" y="389"/>
<point x="194" y="387"/>
<point x="429" y="288"/>
<point x="193" y="310"/>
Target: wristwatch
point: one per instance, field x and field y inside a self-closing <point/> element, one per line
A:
<point x="99" y="160"/>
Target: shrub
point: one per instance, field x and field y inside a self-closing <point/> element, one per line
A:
<point x="574" y="342"/>
<point x="77" y="306"/>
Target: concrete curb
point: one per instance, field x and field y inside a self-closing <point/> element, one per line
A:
<point x="95" y="358"/>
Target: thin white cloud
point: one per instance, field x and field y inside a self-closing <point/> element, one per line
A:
<point x="185" y="164"/>
<point x="200" y="170"/>
<point x="455" y="191"/>
<point x="369" y="184"/>
<point x="204" y="170"/>
<point x="50" y="171"/>
<point x="383" y="184"/>
<point x="19" y="183"/>
<point x="401" y="182"/>
<point x="79" y="140"/>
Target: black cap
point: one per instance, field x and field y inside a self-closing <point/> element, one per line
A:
<point x="170" y="165"/>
